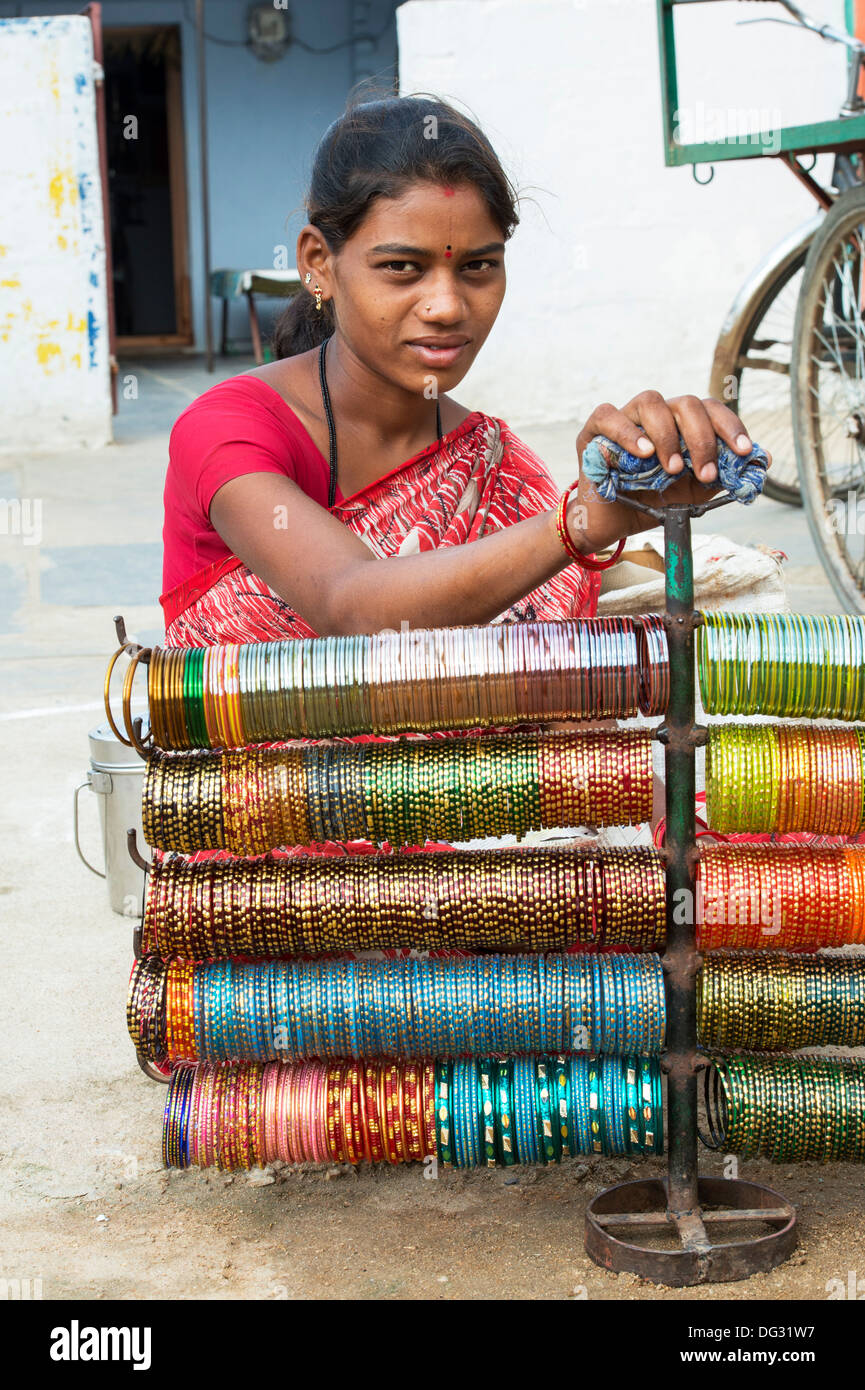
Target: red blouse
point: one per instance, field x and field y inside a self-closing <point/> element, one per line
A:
<point x="239" y="426"/>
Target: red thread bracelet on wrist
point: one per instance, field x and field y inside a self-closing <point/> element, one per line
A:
<point x="571" y="549"/>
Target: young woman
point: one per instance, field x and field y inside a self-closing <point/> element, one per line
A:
<point x="335" y="490"/>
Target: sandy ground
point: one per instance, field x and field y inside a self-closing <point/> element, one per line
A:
<point x="85" y="1205"/>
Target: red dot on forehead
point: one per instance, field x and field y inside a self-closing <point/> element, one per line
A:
<point x="448" y="191"/>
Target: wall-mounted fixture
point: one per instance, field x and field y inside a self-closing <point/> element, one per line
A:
<point x="269" y="28"/>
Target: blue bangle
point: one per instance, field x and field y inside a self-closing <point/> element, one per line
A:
<point x="555" y="978"/>
<point x="504" y="1110"/>
<point x="292" y="1009"/>
<point x="576" y="1069"/>
<point x="596" y="1014"/>
<point x="579" y="1073"/>
<point x="657" y="1094"/>
<point x="465" y="1011"/>
<point x="596" y="1106"/>
<point x="549" y="1147"/>
<point x="488" y="969"/>
<point x="353" y="1021"/>
<point x="619" y="972"/>
<point x="239" y="1011"/>
<point x="475" y="1108"/>
<point x="391" y="1010"/>
<point x="633" y="1140"/>
<point x="608" y="986"/>
<point x="254" y="1011"/>
<point x="443" y="1111"/>
<point x="562" y="1106"/>
<point x="487" y="1097"/>
<point x="614" y="1090"/>
<point x="299" y="1002"/>
<point x="185" y="1099"/>
<point x="540" y="1041"/>
<point x="624" y="1005"/>
<point x="170" y="1094"/>
<point x="507" y="977"/>
<point x="218" y="1013"/>
<point x="197" y="1010"/>
<point x="364" y="1001"/>
<point x="458" y="1110"/>
<point x="524" y="1089"/>
<point x="527" y="1012"/>
<point x="335" y="1011"/>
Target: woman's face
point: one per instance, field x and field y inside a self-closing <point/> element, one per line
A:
<point x="418" y="286"/>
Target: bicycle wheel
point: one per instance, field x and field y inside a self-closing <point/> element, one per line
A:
<point x="751" y="371"/>
<point x="828" y="390"/>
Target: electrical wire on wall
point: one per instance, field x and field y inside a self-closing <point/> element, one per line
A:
<point x="295" y="41"/>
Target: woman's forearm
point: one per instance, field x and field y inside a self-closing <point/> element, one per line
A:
<point x="456" y="585"/>
<point x="329" y="576"/>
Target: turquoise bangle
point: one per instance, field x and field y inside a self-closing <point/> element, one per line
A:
<point x="504" y="1112"/>
<point x="444" y="1143"/>
<point x="487" y="1096"/>
<point x="549" y="1145"/>
<point x="562" y="1116"/>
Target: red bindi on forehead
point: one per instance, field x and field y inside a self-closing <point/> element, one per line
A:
<point x="449" y="193"/>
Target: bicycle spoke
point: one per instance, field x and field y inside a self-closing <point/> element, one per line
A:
<point x="829" y="396"/>
<point x="764" y="364"/>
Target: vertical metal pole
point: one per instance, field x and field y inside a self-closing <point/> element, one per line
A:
<point x="205" y="185"/>
<point x="669" y="77"/>
<point x="94" y="14"/>
<point x="680" y="956"/>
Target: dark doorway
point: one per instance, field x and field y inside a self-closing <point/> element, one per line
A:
<point x="147" y="185"/>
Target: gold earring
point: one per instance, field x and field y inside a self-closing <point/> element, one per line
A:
<point x="317" y="293"/>
<point x="307" y="277"/>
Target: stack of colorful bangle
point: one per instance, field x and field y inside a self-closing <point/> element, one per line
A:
<point x="463" y="1006"/>
<point x="393" y="682"/>
<point x="654" y="661"/>
<point x="511" y="899"/>
<point x="787" y="897"/>
<point x="787" y="1109"/>
<point x="145" y="1011"/>
<point x="783" y="777"/>
<point x="773" y="1002"/>
<point x="461" y="1114"/>
<point x="251" y="800"/>
<point x="784" y="664"/>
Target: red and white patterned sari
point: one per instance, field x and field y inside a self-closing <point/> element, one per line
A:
<point x="480" y="478"/>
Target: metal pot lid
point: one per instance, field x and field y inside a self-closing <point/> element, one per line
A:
<point x="108" y="754"/>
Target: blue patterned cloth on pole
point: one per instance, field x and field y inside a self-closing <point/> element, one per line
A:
<point x="613" y="470"/>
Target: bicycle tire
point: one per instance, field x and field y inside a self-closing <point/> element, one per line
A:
<point x="824" y="354"/>
<point x="782" y="480"/>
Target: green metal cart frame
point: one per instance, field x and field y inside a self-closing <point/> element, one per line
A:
<point x="842" y="134"/>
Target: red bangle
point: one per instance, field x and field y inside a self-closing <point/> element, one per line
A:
<point x="571" y="549"/>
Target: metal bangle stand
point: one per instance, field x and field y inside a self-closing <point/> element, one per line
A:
<point x="143" y="654"/>
<point x="684" y="1203"/>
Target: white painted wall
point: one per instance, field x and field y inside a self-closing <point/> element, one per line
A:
<point x="621" y="270"/>
<point x="54" y="376"/>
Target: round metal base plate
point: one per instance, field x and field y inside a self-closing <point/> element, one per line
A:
<point x="637" y="1208"/>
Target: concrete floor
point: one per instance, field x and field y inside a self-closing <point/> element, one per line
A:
<point x="86" y="1207"/>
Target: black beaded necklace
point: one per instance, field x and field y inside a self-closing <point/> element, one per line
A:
<point x="331" y="427"/>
